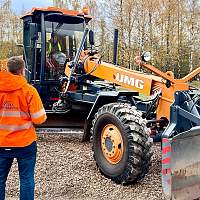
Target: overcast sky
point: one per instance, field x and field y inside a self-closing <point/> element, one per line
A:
<point x="18" y="5"/>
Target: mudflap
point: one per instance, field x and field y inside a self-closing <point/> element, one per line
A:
<point x="181" y="165"/>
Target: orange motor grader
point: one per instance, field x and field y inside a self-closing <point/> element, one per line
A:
<point x="117" y="121"/>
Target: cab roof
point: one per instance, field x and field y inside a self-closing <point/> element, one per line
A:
<point x="36" y="10"/>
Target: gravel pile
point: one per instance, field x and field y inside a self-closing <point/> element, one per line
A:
<point x="66" y="170"/>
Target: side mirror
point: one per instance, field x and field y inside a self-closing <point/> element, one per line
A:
<point x="91" y="38"/>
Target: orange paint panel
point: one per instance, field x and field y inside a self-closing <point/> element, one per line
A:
<point x="137" y="81"/>
<point x="167" y="98"/>
<point x="55" y="9"/>
<point x="67" y="70"/>
<point x="158" y="72"/>
<point x="120" y="76"/>
<point x="191" y="75"/>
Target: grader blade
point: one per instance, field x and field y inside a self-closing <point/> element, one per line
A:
<point x="181" y="165"/>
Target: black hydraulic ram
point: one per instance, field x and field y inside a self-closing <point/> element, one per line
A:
<point x="76" y="58"/>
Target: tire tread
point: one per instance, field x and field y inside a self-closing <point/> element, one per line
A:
<point x="139" y="145"/>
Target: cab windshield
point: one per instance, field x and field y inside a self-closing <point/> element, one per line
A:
<point x="68" y="36"/>
<point x="62" y="42"/>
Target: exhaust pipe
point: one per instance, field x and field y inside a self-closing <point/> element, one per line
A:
<point x="115" y="46"/>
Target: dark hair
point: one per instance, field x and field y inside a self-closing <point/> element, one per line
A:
<point x="15" y="64"/>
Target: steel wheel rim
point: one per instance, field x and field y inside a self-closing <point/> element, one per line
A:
<point x="112" y="144"/>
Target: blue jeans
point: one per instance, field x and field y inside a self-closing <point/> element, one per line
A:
<point x="26" y="159"/>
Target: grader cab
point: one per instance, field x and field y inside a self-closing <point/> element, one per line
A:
<point x="119" y="123"/>
<point x="44" y="66"/>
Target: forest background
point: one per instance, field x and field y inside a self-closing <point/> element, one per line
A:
<point x="169" y="29"/>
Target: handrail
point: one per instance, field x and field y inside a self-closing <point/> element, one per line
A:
<point x="191" y="75"/>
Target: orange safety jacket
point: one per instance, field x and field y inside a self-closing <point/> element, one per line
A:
<point x="20" y="108"/>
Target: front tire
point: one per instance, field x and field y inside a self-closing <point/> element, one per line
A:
<point x="121" y="144"/>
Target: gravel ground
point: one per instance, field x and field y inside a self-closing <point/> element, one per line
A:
<point x="66" y="170"/>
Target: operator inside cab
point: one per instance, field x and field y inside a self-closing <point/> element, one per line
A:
<point x="53" y="45"/>
<point x="55" y="57"/>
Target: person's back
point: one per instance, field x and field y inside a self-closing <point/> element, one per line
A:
<point x="20" y="109"/>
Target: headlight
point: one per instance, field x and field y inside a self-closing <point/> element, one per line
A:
<point x="146" y="56"/>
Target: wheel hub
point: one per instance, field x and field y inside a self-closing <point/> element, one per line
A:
<point x="109" y="144"/>
<point x="112" y="144"/>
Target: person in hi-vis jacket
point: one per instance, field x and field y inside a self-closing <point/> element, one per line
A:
<point x="20" y="108"/>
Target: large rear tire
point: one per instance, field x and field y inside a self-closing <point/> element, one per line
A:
<point x="121" y="144"/>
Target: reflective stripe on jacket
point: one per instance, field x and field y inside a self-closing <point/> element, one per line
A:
<point x="20" y="108"/>
<point x="56" y="47"/>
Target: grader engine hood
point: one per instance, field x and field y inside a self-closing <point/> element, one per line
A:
<point x="181" y="166"/>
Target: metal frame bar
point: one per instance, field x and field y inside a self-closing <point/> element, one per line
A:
<point x="182" y="110"/>
<point x="43" y="49"/>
